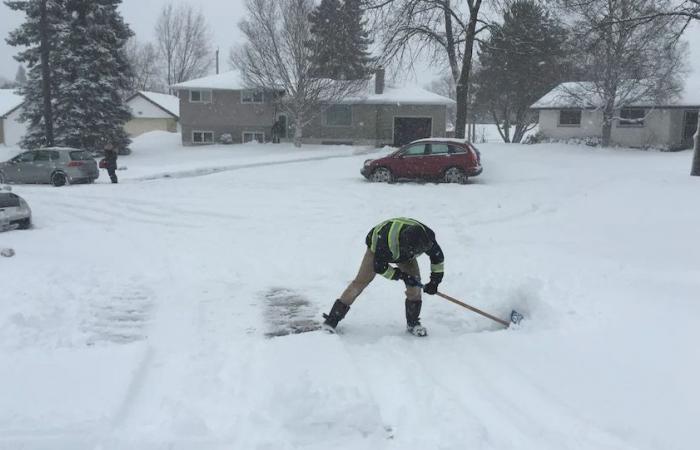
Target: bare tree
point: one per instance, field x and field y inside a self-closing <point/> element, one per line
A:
<point x="145" y="75"/>
<point x="443" y="29"/>
<point x="184" y="43"/>
<point x="445" y="86"/>
<point x="277" y="57"/>
<point x="627" y="62"/>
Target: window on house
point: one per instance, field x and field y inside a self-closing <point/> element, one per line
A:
<point x="200" y="96"/>
<point x="252" y="97"/>
<point x="570" y="118"/>
<point x="339" y="116"/>
<point x="631" y="117"/>
<point x="202" y="137"/>
<point x="253" y="136"/>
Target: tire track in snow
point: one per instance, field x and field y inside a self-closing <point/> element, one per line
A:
<point x="214" y="170"/>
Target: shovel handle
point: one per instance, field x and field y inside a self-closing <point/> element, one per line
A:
<point x="471" y="308"/>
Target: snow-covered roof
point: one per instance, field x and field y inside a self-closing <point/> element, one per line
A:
<point x="407" y="94"/>
<point x="227" y="81"/>
<point x="580" y="94"/>
<point x="166" y="102"/>
<point x="394" y="95"/>
<point x="9" y="101"/>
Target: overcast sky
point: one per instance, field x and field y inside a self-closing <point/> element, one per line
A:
<point x="223" y="17"/>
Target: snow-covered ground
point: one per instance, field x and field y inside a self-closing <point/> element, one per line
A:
<point x="135" y="315"/>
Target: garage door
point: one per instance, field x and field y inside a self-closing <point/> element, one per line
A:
<point x="408" y="129"/>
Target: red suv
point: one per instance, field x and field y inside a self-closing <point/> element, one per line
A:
<point x="449" y="160"/>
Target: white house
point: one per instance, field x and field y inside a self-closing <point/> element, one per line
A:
<point x="11" y="129"/>
<point x="152" y="111"/>
<point x="564" y="114"/>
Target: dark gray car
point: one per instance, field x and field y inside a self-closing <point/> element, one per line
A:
<point x="56" y="166"/>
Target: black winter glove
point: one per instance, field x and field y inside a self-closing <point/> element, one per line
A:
<point x="432" y="287"/>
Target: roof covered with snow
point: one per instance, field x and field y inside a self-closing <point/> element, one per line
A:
<point x="166" y="102"/>
<point x="395" y="95"/>
<point x="227" y="81"/>
<point x="407" y="94"/>
<point x="9" y="101"/>
<point x="580" y="94"/>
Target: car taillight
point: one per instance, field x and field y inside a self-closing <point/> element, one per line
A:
<point x="75" y="163"/>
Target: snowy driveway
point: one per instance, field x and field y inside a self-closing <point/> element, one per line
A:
<point x="136" y="315"/>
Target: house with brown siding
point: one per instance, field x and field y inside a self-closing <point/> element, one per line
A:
<point x="380" y="114"/>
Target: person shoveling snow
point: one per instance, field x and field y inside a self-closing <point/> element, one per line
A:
<point x="399" y="241"/>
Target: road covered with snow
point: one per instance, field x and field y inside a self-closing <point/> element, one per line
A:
<point x="139" y="315"/>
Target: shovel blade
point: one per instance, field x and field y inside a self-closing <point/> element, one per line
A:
<point x="515" y="317"/>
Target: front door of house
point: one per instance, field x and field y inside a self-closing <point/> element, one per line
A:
<point x="283" y="127"/>
<point x="690" y="124"/>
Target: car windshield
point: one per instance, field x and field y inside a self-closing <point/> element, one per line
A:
<point x="24" y="157"/>
<point x="80" y="155"/>
<point x="8" y="200"/>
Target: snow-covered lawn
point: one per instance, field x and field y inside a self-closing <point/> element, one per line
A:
<point x="134" y="315"/>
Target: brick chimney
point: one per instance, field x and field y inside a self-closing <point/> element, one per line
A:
<point x="379" y="81"/>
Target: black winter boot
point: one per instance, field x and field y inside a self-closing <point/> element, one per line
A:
<point x="413" y="320"/>
<point x="337" y="314"/>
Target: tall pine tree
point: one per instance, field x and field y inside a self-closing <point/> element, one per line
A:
<point x="522" y="59"/>
<point x="95" y="71"/>
<point x="88" y="70"/>
<point x="29" y="37"/>
<point x="340" y="44"/>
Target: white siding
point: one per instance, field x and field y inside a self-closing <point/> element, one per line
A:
<point x="657" y="129"/>
<point x="655" y="132"/>
<point x="590" y="125"/>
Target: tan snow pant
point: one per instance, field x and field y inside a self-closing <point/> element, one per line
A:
<point x="366" y="274"/>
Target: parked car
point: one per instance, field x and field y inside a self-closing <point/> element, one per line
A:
<point x="57" y="166"/>
<point x="449" y="160"/>
<point x="14" y="211"/>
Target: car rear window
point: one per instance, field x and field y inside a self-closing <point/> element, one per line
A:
<point x="8" y="200"/>
<point x="80" y="155"/>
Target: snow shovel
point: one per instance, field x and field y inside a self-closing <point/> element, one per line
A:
<point x="515" y="317"/>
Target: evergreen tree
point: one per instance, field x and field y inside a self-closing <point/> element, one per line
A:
<point x="28" y="36"/>
<point x="95" y="71"/>
<point x="340" y="41"/>
<point x="88" y="72"/>
<point x="523" y="58"/>
<point x="21" y="76"/>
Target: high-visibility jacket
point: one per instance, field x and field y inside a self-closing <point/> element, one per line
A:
<point x="400" y="240"/>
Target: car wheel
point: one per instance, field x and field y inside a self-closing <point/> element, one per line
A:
<point x="381" y="175"/>
<point x="59" y="179"/>
<point x="455" y="175"/>
<point x="25" y="224"/>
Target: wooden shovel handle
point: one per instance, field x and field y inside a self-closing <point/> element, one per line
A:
<point x="476" y="310"/>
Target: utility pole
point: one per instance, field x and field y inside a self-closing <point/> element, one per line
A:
<point x="217" y="60"/>
<point x="695" y="169"/>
